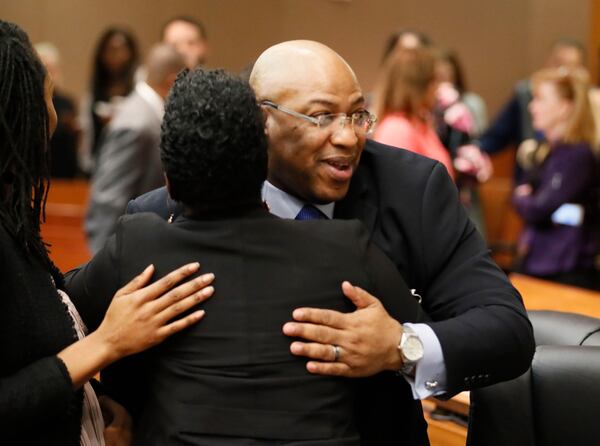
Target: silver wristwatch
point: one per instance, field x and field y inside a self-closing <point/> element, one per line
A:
<point x="411" y="350"/>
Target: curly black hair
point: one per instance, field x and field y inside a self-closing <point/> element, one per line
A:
<point x="213" y="144"/>
<point x="24" y="135"/>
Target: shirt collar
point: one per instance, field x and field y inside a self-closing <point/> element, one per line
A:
<point x="149" y="95"/>
<point x="284" y="205"/>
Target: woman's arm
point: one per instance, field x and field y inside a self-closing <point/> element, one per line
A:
<point x="137" y="319"/>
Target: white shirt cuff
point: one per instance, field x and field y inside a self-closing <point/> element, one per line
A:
<point x="430" y="373"/>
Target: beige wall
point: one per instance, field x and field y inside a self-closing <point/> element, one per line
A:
<point x="499" y="41"/>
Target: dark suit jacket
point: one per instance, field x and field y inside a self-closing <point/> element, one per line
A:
<point x="231" y="378"/>
<point x="411" y="209"/>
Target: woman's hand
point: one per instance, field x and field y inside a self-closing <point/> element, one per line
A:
<point x="471" y="160"/>
<point x="138" y="318"/>
<point x="523" y="190"/>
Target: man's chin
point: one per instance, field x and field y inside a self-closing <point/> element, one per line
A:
<point x="330" y="194"/>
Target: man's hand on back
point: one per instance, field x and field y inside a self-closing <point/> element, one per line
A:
<point x="367" y="339"/>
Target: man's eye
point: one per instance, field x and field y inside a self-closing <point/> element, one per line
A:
<point x="361" y="116"/>
<point x="325" y="118"/>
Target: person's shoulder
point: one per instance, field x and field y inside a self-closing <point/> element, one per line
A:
<point x="334" y="226"/>
<point x="141" y="223"/>
<point x="395" y="178"/>
<point x="337" y="236"/>
<point x="311" y="229"/>
<point x="157" y="201"/>
<point x="581" y="150"/>
<point x="388" y="160"/>
<point x="133" y="113"/>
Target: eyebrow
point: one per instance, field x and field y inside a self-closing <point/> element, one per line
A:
<point x="327" y="103"/>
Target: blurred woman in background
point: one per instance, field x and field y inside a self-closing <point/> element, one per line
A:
<point x="458" y="109"/>
<point x="459" y="117"/>
<point x="404" y="100"/>
<point x="559" y="198"/>
<point x="115" y="62"/>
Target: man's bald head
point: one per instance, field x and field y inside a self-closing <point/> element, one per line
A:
<point x="304" y="81"/>
<point x="162" y="64"/>
<point x="297" y="65"/>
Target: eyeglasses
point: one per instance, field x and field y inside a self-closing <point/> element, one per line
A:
<point x="362" y="121"/>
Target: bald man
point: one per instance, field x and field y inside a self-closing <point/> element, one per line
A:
<point x="129" y="158"/>
<point x="319" y="155"/>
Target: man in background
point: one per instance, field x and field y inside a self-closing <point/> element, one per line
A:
<point x="129" y="163"/>
<point x="188" y="36"/>
<point x="63" y="145"/>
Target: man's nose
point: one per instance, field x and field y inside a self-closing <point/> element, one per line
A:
<point x="344" y="133"/>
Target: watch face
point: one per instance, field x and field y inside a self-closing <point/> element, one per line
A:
<point x="412" y="349"/>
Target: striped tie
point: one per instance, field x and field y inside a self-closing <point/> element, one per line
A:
<point x="309" y="212"/>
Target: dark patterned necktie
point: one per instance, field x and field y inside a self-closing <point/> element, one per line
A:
<point x="309" y="212"/>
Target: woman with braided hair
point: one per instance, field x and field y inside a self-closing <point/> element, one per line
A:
<point x="46" y="360"/>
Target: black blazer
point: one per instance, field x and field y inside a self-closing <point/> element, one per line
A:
<point x="411" y="209"/>
<point x="231" y="379"/>
<point x="37" y="402"/>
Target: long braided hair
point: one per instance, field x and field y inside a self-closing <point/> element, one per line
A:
<point x="24" y="135"/>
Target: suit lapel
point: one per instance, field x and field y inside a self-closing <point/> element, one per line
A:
<point x="357" y="203"/>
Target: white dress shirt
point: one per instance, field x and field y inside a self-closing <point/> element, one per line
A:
<point x="151" y="97"/>
<point x="430" y="373"/>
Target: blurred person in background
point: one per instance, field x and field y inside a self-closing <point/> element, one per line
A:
<point x="63" y="145"/>
<point x="558" y="198"/>
<point x="407" y="38"/>
<point x="513" y="124"/>
<point x="460" y="109"/>
<point x="47" y="359"/>
<point x="459" y="116"/>
<point x="188" y="36"/>
<point x="404" y="100"/>
<point x="114" y="64"/>
<point x="129" y="160"/>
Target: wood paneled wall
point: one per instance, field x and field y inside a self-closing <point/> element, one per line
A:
<point x="499" y="41"/>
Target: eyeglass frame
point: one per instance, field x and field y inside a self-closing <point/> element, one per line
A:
<point x="372" y="119"/>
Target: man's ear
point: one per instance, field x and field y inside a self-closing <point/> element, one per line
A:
<point x="267" y="121"/>
<point x="168" y="184"/>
